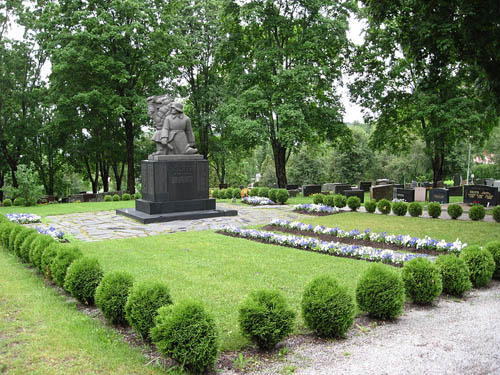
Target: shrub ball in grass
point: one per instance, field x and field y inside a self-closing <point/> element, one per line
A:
<point x="384" y="206"/>
<point x="48" y="257"/>
<point x="317" y="198"/>
<point x="24" y="253"/>
<point x="455" y="211"/>
<point x="188" y="334"/>
<point x="108" y="198"/>
<point x="125" y="197"/>
<point x="59" y="266"/>
<point x="37" y="248"/>
<point x="111" y="296"/>
<point x="264" y="192"/>
<point x="455" y="274"/>
<point x="273" y="194"/>
<point x="237" y="193"/>
<point x="327" y="308"/>
<point x="116" y="198"/>
<point x="399" y="208"/>
<point x="5" y="229"/>
<point x="329" y="200"/>
<point x="19" y="202"/>
<point x="415" y="209"/>
<point x="339" y="200"/>
<point x="353" y="203"/>
<point x="481" y="265"/>
<point x="12" y="237"/>
<point x="494" y="248"/>
<point x="496" y="213"/>
<point x="371" y="206"/>
<point x="137" y="196"/>
<point x="215" y="193"/>
<point x="82" y="278"/>
<point x="434" y="210"/>
<point x="144" y="300"/>
<point x="477" y="212"/>
<point x="380" y="292"/>
<point x="265" y="318"/>
<point x="254" y="192"/>
<point x="282" y="196"/>
<point x="7" y="202"/>
<point x="20" y="238"/>
<point x="422" y="280"/>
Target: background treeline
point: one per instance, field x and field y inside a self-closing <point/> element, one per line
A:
<point x="260" y="80"/>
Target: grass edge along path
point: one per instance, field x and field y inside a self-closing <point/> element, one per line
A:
<point x="42" y="333"/>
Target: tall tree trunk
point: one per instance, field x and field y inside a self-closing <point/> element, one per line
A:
<point x="2" y="181"/>
<point x="118" y="175"/>
<point x="437" y="168"/>
<point x="93" y="180"/>
<point x="279" y="153"/>
<point x="129" y="134"/>
<point x="104" y="169"/>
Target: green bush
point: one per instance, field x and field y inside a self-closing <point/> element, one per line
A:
<point x="399" y="208"/>
<point x="116" y="198"/>
<point x="7" y="202"/>
<point x="494" y="248"/>
<point x="434" y="210"/>
<point x="24" y="253"/>
<point x="5" y="229"/>
<point x="82" y="278"/>
<point x="481" y="265"/>
<point x="272" y="194"/>
<point x="188" y="334"/>
<point x="422" y="279"/>
<point x="37" y="248"/>
<point x="126" y="197"/>
<point x="282" y="196"/>
<point x="265" y="318"/>
<point x="380" y="292"/>
<point x="254" y="192"/>
<point x="236" y="193"/>
<point x="496" y="213"/>
<point x="415" y="209"/>
<point x="370" y="206"/>
<point x="59" y="266"/>
<point x="12" y="237"/>
<point x="48" y="257"/>
<point x="264" y="192"/>
<point x="455" y="211"/>
<point x="111" y="296"/>
<point x="317" y="198"/>
<point x="215" y="193"/>
<point x="137" y="196"/>
<point x="384" y="206"/>
<point x="477" y="212"/>
<point x="455" y="274"/>
<point x="19" y="201"/>
<point x="353" y="203"/>
<point x="327" y="308"/>
<point x="108" y="198"/>
<point x="339" y="200"/>
<point x="329" y="200"/>
<point x="20" y="238"/>
<point x="142" y="305"/>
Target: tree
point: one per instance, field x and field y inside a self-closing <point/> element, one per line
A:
<point x="290" y="55"/>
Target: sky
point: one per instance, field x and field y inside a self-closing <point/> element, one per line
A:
<point x="352" y="111"/>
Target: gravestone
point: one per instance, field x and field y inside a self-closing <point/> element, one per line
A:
<point x="420" y="194"/>
<point x="382" y="181"/>
<point x="293" y="192"/>
<point x="440" y="184"/>
<point x="223" y="186"/>
<point x="355" y="193"/>
<point x="414" y="184"/>
<point x="379" y="192"/>
<point x="328" y="187"/>
<point x="497" y="184"/>
<point x="399" y="186"/>
<point x="457" y="180"/>
<point x="292" y="187"/>
<point x="311" y="189"/>
<point x="482" y="194"/>
<point x="489" y="181"/>
<point x="455" y="191"/>
<point x="426" y="184"/>
<point x="340" y="188"/>
<point x="365" y="185"/>
<point x="439" y="195"/>
<point x="408" y="195"/>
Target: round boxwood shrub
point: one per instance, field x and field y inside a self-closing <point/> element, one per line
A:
<point x="12" y="237"/>
<point x="399" y="208"/>
<point x="188" y="334"/>
<point x="353" y="203"/>
<point x="19" y="201"/>
<point x="415" y="209"/>
<point x="329" y="200"/>
<point x="481" y="265"/>
<point x="477" y="212"/>
<point x="37" y="248"/>
<point x="254" y="192"/>
<point x="380" y="292"/>
<point x="434" y="210"/>
<point x="422" y="280"/>
<point x="48" y="257"/>
<point x="317" y="198"/>
<point x="384" y="206"/>
<point x="494" y="248"/>
<point x="327" y="308"/>
<point x="264" y="192"/>
<point x="143" y="302"/>
<point x="496" y="213"/>
<point x="24" y="253"/>
<point x="137" y="196"/>
<point x="20" y="238"/>
<point x="339" y="200"/>
<point x="272" y="194"/>
<point x="59" y="266"/>
<point x="265" y="318"/>
<point x="111" y="296"/>
<point x="5" y="229"/>
<point x="455" y="211"/>
<point x="282" y="196"/>
<point x="215" y="193"/>
<point x="108" y="198"/>
<point x="116" y="198"/>
<point x="7" y="202"/>
<point x="370" y="206"/>
<point x="126" y="197"/>
<point x="82" y="278"/>
<point x="455" y="274"/>
<point x="236" y="193"/>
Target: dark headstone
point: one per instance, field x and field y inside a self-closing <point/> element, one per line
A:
<point x="293" y="193"/>
<point x="292" y="187"/>
<point x="408" y="195"/>
<point x="440" y="184"/>
<point x="399" y="186"/>
<point x="455" y="191"/>
<point x="439" y="195"/>
<point x="222" y="186"/>
<point x="381" y="191"/>
<point x="340" y="188"/>
<point x="311" y="189"/>
<point x="365" y="185"/>
<point x="355" y="193"/>
<point x="482" y="194"/>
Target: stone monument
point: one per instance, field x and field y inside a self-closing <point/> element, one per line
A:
<point x="175" y="177"/>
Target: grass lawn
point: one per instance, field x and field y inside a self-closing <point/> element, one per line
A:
<point x="67" y="208"/>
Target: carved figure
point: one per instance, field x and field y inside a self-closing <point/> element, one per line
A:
<point x="177" y="134"/>
<point x="158" y="108"/>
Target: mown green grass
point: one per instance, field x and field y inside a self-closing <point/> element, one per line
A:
<point x="67" y="208"/>
<point x="42" y="333"/>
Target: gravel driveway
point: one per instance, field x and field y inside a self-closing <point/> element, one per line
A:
<point x="451" y="337"/>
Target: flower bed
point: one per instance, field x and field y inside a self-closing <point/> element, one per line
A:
<point x="405" y="241"/>
<point x="324" y="247"/>
<point x="257" y="201"/>
<point x="53" y="232"/>
<point x="316" y="209"/>
<point x="24" y="218"/>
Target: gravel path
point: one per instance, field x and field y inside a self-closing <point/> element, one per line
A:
<point x="452" y="337"/>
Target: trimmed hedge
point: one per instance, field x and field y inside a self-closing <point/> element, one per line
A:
<point x="329" y="200"/>
<point x="48" y="257"/>
<point x="415" y="209"/>
<point x="5" y="229"/>
<point x="137" y="196"/>
<point x="353" y="203"/>
<point x="20" y="238"/>
<point x="126" y="197"/>
<point x="273" y="194"/>
<point x="371" y="206"/>
<point x="37" y="248"/>
<point x="282" y="196"/>
<point x="339" y="200"/>
<point x="481" y="265"/>
<point x="116" y="198"/>
<point x="455" y="211"/>
<point x="496" y="213"/>
<point x="82" y="278"/>
<point x="111" y="296"/>
<point x="24" y="253"/>
<point x="494" y="248"/>
<point x="455" y="275"/>
<point x="19" y="202"/>
<point x="422" y="279"/>
<point x="264" y="192"/>
<point x="12" y="237"/>
<point x="434" y="210"/>
<point x="215" y="193"/>
<point x="7" y="202"/>
<point x="265" y="318"/>
<point x="477" y="212"/>
<point x="318" y="198"/>
<point x="108" y="198"/>
<point x="399" y="208"/>
<point x="384" y="206"/>
<point x="59" y="265"/>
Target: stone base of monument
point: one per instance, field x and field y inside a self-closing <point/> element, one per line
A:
<point x="174" y="187"/>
